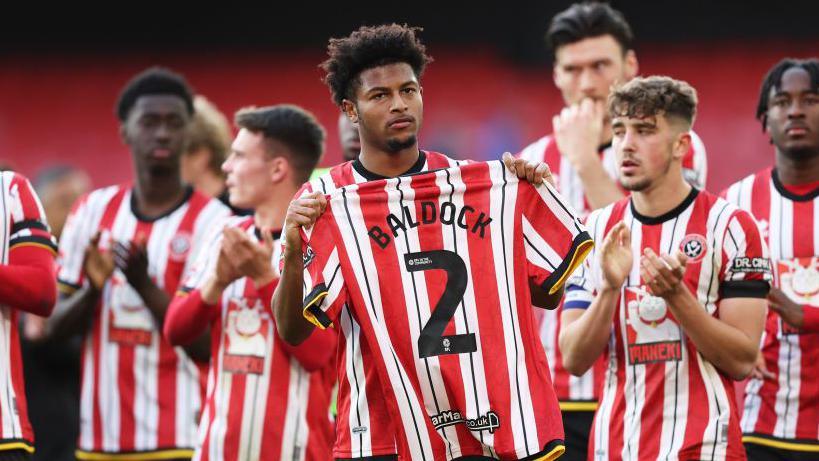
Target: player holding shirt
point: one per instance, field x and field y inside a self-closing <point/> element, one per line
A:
<point x="124" y="252"/>
<point x="781" y="415"/>
<point x="374" y="78"/>
<point x="674" y="294"/>
<point x="27" y="251"/>
<point x="263" y="402"/>
<point x="456" y="338"/>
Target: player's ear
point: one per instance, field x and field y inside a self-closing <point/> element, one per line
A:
<point x="348" y="107"/>
<point x="279" y="168"/>
<point x="123" y="133"/>
<point x="683" y="144"/>
<point x="630" y="65"/>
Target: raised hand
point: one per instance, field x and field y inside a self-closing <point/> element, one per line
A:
<point x="249" y="258"/>
<point x="616" y="257"/>
<point x="98" y="265"/>
<point x="534" y="172"/>
<point x="302" y="212"/>
<point x="663" y="275"/>
<point x="132" y="259"/>
<point x="790" y="312"/>
<point x="578" y="131"/>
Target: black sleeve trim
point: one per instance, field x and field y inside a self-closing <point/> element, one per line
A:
<point x="67" y="287"/>
<point x="29" y="224"/>
<point x="319" y="315"/>
<point x="744" y="289"/>
<point x="580" y="247"/>
<point x="35" y="240"/>
<point x="312" y="311"/>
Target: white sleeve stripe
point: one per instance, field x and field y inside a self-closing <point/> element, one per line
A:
<point x="536" y="247"/>
<point x="735" y="246"/>
<point x="559" y="208"/>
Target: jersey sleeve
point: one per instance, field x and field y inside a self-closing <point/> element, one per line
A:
<point x="28" y="278"/>
<point x="581" y="284"/>
<point x="28" y="220"/>
<point x="204" y="263"/>
<point x="75" y="237"/>
<point x="555" y="240"/>
<point x="323" y="279"/>
<point x="746" y="271"/>
<point x="695" y="163"/>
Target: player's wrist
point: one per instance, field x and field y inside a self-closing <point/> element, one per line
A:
<point x="609" y="287"/>
<point x="212" y="290"/>
<point x="586" y="160"/>
<point x="264" y="278"/>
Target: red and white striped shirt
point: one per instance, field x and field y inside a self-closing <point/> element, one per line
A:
<point x="24" y="230"/>
<point x="262" y="403"/>
<point x="581" y="392"/>
<point x="661" y="399"/>
<point x="436" y="269"/>
<point x="363" y="424"/>
<point x="786" y="408"/>
<point x="139" y="393"/>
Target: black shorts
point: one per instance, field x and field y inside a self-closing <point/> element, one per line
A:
<point x="577" y="427"/>
<point x="15" y="455"/>
<point x="371" y="458"/>
<point x="759" y="452"/>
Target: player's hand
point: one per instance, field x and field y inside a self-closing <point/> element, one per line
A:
<point x="132" y="259"/>
<point x="616" y="257"/>
<point x="578" y="131"/>
<point x="760" y="371"/>
<point x="250" y="259"/>
<point x="224" y="272"/>
<point x="98" y="265"/>
<point x="790" y="312"/>
<point x="34" y="326"/>
<point x="534" y="172"/>
<point x="663" y="275"/>
<point x="302" y="212"/>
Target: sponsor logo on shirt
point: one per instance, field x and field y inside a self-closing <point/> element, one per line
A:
<point x="652" y="332"/>
<point x="130" y="322"/>
<point x="308" y="257"/>
<point x="246" y="336"/>
<point x="798" y="278"/>
<point x="486" y="422"/>
<point x="746" y="265"/>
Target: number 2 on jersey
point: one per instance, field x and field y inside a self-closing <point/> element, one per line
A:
<point x="432" y="341"/>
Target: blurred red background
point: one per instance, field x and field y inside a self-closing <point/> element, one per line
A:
<point x="59" y="108"/>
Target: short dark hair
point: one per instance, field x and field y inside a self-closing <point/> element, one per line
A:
<point x="773" y="80"/>
<point x="153" y="81"/>
<point x="291" y="125"/>
<point x="368" y="47"/>
<point x="586" y="20"/>
<point x="652" y="96"/>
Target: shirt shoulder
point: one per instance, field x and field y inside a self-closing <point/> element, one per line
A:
<point x="536" y="151"/>
<point x="733" y="190"/>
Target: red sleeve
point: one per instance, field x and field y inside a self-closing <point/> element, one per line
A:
<point x="316" y="351"/>
<point x="188" y="317"/>
<point x="29" y="281"/>
<point x="810" y="319"/>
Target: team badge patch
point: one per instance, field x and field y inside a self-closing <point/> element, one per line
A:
<point x="180" y="246"/>
<point x="693" y="246"/>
